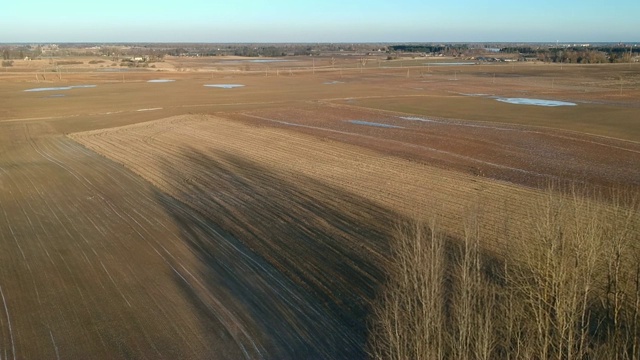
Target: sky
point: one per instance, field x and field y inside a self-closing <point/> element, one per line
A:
<point x="346" y="21"/>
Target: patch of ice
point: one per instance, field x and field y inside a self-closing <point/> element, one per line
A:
<point x="536" y="102"/>
<point x="369" y="123"/>
<point x="151" y="109"/>
<point x="475" y="95"/>
<point x="413" y="118"/>
<point x="60" y="88"/>
<point x="224" y="86"/>
<point x="452" y="123"/>
<point x="83" y="86"/>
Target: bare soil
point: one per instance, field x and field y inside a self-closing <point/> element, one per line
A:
<point x="142" y="220"/>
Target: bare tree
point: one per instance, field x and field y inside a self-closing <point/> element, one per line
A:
<point x="565" y="286"/>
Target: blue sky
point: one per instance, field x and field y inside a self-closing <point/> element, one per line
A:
<point x="318" y="21"/>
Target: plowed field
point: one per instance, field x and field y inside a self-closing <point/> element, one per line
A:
<point x="263" y="184"/>
<point x="527" y="155"/>
<point x="146" y="220"/>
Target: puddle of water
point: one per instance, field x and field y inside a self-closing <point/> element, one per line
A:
<point x="536" y="102"/>
<point x="60" y="88"/>
<point x="332" y="82"/>
<point x="224" y="86"/>
<point x="369" y="123"/>
<point x="160" y="81"/>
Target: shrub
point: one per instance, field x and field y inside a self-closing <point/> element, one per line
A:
<point x="70" y="62"/>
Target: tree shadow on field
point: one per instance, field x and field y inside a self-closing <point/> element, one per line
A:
<point x="289" y="265"/>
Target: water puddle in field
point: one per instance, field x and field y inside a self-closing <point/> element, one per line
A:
<point x="59" y="88"/>
<point x="536" y="102"/>
<point x="523" y="101"/>
<point x="224" y="86"/>
<point x="332" y="82"/>
<point x="160" y="81"/>
<point x="369" y="123"/>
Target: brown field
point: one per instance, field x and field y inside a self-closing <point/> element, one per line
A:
<point x="171" y="220"/>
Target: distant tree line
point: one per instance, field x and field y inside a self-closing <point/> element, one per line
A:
<point x="155" y="52"/>
<point x="417" y="48"/>
<point x="267" y="51"/>
<point x="574" y="54"/>
<point x="20" y="52"/>
<point x="570" y="54"/>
